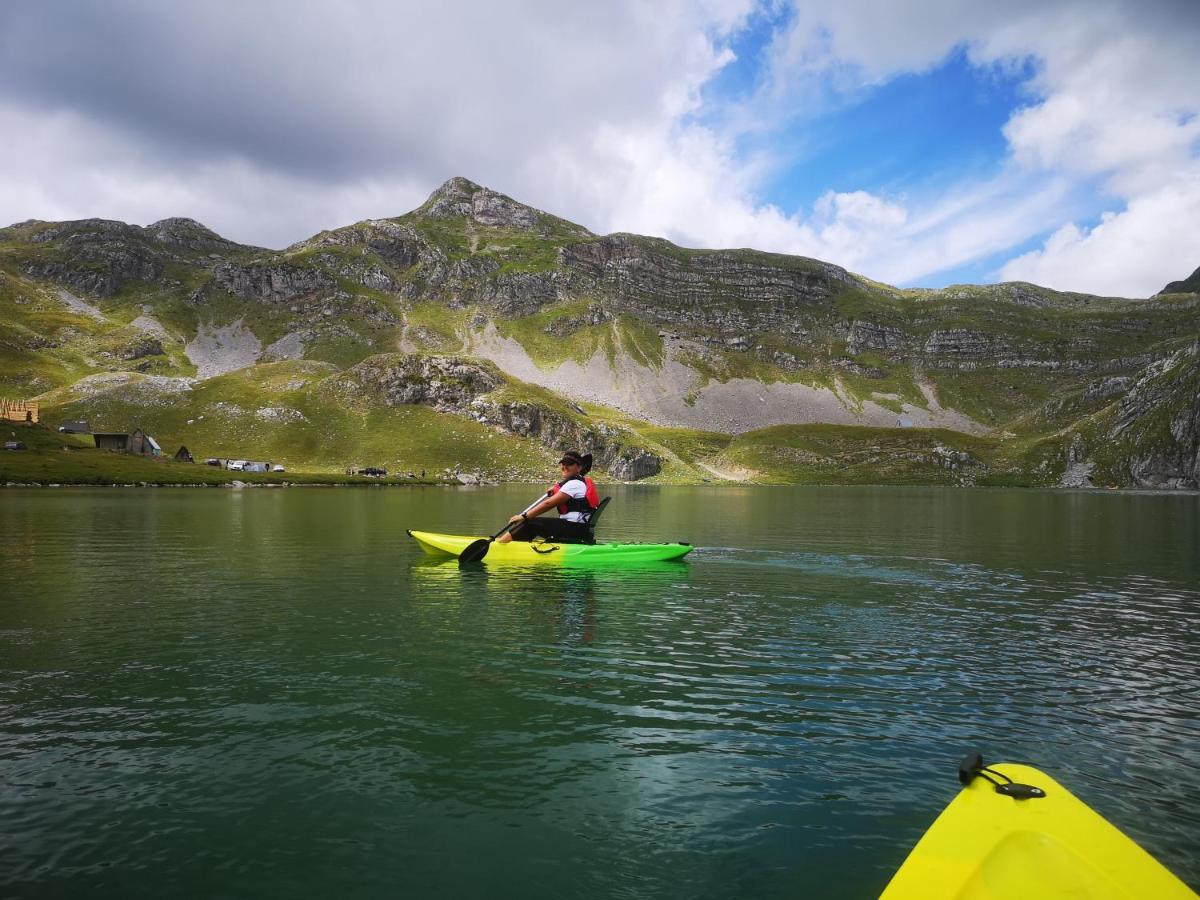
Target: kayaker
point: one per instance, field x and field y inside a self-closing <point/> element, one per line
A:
<point x="574" y="496"/>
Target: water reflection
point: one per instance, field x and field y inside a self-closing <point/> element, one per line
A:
<point x="286" y="682"/>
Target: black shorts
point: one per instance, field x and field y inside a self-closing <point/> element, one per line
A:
<point x="553" y="530"/>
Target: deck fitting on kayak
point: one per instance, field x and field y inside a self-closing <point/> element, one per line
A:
<point x="973" y="765"/>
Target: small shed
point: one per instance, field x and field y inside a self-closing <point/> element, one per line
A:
<point x="75" y="428"/>
<point x="184" y="455"/>
<point x="111" y="440"/>
<point x="141" y="443"/>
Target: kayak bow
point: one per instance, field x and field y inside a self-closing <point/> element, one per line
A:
<point x="1023" y="835"/>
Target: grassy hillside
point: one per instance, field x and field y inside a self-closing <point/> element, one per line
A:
<point x="284" y="412"/>
<point x="114" y="323"/>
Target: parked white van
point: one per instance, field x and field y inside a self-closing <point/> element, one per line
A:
<point x="237" y="465"/>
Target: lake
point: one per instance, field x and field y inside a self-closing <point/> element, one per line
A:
<point x="272" y="692"/>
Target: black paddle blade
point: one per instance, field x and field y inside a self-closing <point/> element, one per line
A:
<point x="475" y="551"/>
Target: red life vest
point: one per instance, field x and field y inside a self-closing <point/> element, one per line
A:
<point x="586" y="504"/>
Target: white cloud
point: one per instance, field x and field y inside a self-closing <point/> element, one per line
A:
<point x="310" y="117"/>
<point x="64" y="166"/>
<point x="1111" y="99"/>
<point x="290" y="122"/>
<point x="1132" y="253"/>
<point x="1113" y="102"/>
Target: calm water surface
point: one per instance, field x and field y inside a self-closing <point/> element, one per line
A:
<point x="274" y="693"/>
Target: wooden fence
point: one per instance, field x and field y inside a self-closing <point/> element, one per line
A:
<point x="18" y="410"/>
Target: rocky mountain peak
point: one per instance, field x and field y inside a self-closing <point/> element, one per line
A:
<point x="461" y="198"/>
<point x="183" y="232"/>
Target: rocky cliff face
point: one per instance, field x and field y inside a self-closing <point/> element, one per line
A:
<point x="463" y="386"/>
<point x="98" y="257"/>
<point x="273" y="283"/>
<point x="1167" y="394"/>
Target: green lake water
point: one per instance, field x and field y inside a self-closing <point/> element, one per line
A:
<point x="273" y="693"/>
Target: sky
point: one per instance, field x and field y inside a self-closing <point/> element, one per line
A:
<point x="916" y="142"/>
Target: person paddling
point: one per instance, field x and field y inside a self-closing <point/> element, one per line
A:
<point x="575" y="497"/>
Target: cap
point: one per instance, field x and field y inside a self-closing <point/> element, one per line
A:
<point x="584" y="461"/>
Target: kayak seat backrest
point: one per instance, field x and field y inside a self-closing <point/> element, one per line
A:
<point x="595" y="517"/>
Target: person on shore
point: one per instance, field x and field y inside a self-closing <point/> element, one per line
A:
<point x="575" y="497"/>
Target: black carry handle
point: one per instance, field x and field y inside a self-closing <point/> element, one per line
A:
<point x="972" y="765"/>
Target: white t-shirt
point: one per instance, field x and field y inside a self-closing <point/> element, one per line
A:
<point x="577" y="490"/>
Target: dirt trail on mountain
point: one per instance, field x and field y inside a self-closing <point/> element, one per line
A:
<point x="728" y="474"/>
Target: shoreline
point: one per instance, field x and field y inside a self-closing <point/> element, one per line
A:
<point x="239" y="485"/>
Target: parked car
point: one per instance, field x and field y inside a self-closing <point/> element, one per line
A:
<point x="213" y="462"/>
<point x="14" y="445"/>
<point x="373" y="472"/>
<point x="278" y="468"/>
<point x="237" y="465"/>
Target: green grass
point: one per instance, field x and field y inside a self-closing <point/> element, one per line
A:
<point x="880" y="308"/>
<point x="435" y="327"/>
<point x="713" y="364"/>
<point x="580" y="342"/>
<point x="842" y="454"/>
<point x="42" y="342"/>
<point x="64" y="460"/>
<point x="516" y="251"/>
<point x="999" y="397"/>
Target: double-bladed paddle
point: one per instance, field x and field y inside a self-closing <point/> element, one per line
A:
<point x="477" y="550"/>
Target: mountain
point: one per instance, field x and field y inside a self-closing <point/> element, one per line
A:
<point x="479" y="334"/>
<point x="1189" y="285"/>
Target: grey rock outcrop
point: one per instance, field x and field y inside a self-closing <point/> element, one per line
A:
<point x="864" y="335"/>
<point x="446" y="383"/>
<point x="98" y="257"/>
<point x="457" y="385"/>
<point x="460" y="198"/>
<point x="188" y="234"/>
<point x="610" y="447"/>
<point x="272" y="283"/>
<point x="950" y="346"/>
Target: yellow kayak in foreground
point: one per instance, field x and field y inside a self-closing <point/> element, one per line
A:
<point x="551" y="553"/>
<point x="990" y="845"/>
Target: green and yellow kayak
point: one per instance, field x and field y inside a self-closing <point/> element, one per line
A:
<point x="551" y="553"/>
<point x="1028" y="839"/>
